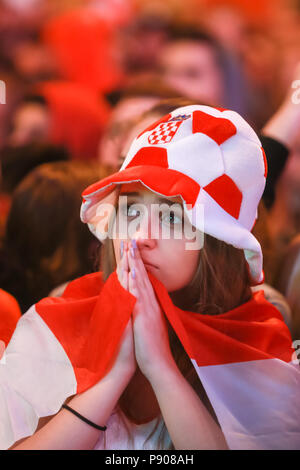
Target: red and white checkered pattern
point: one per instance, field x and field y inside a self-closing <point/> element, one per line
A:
<point x="211" y="157"/>
<point x="164" y="133"/>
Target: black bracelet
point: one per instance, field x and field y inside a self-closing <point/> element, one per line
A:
<point x="100" y="428"/>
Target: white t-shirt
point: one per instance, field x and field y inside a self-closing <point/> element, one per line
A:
<point x="122" y="434"/>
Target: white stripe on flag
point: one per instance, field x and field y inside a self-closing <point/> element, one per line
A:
<point x="35" y="380"/>
<point x="256" y="402"/>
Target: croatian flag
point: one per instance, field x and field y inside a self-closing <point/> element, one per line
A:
<point x="63" y="346"/>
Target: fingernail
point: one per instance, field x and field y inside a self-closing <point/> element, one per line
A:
<point x="132" y="252"/>
<point x="134" y="243"/>
<point x="133" y="273"/>
<point x="122" y="248"/>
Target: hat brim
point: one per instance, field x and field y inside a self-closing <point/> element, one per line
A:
<point x="163" y="181"/>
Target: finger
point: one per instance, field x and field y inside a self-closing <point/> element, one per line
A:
<point x="139" y="282"/>
<point x="126" y="267"/>
<point x="137" y="266"/>
<point x="124" y="282"/>
<point x="123" y="267"/>
<point x="119" y="263"/>
<point x="136" y="284"/>
<point x="139" y="285"/>
<point x="136" y="261"/>
<point x="133" y="286"/>
<point x="124" y="263"/>
<point x="136" y="256"/>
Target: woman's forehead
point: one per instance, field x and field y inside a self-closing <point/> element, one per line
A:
<point x="138" y="189"/>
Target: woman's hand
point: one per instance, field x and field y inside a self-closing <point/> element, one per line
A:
<point x="191" y="426"/>
<point x="284" y="124"/>
<point x="151" y="341"/>
<point x="125" y="363"/>
<point x="126" y="358"/>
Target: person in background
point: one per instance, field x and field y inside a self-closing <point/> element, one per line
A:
<point x="141" y="41"/>
<point x="31" y="122"/>
<point x="63" y="114"/>
<point x="18" y="161"/>
<point x="44" y="243"/>
<point x="15" y="163"/>
<point x="134" y="100"/>
<point x="199" y="68"/>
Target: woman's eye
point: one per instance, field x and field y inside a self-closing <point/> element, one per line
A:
<point x="132" y="211"/>
<point x="171" y="218"/>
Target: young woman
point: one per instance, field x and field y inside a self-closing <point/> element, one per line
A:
<point x="167" y="348"/>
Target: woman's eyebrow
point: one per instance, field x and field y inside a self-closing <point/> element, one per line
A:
<point x="160" y="200"/>
<point x="130" y="194"/>
<point x="168" y="201"/>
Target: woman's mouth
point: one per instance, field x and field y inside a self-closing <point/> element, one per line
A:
<point x="149" y="265"/>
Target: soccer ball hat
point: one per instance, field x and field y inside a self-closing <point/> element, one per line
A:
<point x="210" y="157"/>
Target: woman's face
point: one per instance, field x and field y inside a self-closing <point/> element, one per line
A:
<point x="162" y="234"/>
<point x="191" y="68"/>
<point x="123" y="118"/>
<point x="31" y="124"/>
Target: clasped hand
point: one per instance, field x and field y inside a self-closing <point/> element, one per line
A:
<point x="145" y="338"/>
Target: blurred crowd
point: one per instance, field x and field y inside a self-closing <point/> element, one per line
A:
<point x="83" y="77"/>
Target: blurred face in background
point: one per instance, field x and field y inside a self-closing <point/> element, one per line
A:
<point x="191" y="68"/>
<point x="124" y="117"/>
<point x="34" y="61"/>
<point x="142" y="123"/>
<point x="30" y="124"/>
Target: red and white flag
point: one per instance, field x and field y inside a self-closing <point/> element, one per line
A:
<point x="63" y="346"/>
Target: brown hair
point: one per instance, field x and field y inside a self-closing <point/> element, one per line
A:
<point x="150" y="87"/>
<point x="168" y="105"/>
<point x="45" y="242"/>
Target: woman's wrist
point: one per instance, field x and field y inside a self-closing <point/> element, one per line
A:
<point x="97" y="403"/>
<point x="163" y="372"/>
<point x="122" y="373"/>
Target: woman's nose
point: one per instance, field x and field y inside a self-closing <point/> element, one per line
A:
<point x="145" y="235"/>
<point x="145" y="242"/>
